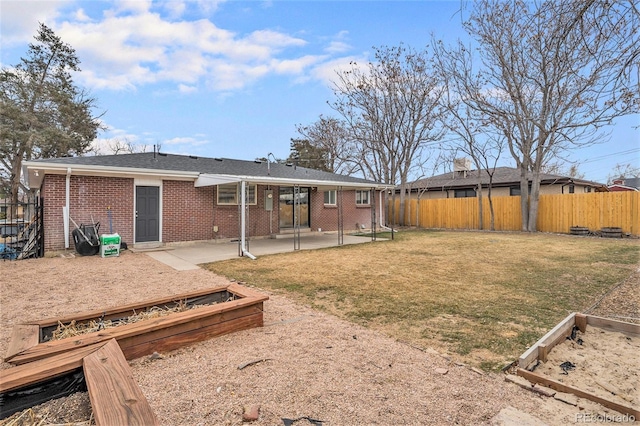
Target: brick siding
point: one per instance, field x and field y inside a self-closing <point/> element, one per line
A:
<point x="188" y="213"/>
<point x="89" y="196"/>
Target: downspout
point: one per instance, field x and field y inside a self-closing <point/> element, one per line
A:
<point x="243" y="220"/>
<point x="65" y="209"/>
<point x="382" y="225"/>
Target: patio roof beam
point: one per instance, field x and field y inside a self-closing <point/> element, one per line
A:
<point x="205" y="179"/>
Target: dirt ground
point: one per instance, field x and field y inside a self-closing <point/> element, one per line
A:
<point x="603" y="363"/>
<point x="317" y="366"/>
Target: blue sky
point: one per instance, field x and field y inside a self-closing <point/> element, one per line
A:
<point x="234" y="78"/>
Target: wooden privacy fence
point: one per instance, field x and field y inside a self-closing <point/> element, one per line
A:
<point x="556" y="213"/>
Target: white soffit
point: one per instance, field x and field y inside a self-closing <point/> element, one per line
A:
<point x="211" y="179"/>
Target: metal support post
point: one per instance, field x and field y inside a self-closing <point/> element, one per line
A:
<point x="296" y="217"/>
<point x="340" y="217"/>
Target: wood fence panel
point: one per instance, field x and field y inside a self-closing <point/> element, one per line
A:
<point x="556" y="213"/>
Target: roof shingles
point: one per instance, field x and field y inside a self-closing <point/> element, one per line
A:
<point x="503" y="176"/>
<point x="214" y="166"/>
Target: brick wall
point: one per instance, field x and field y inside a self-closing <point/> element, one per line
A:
<point x="188" y="213"/>
<point x="89" y="196"/>
<point x="227" y="217"/>
<point x="326" y="216"/>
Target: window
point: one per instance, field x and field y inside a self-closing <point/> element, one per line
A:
<point x="465" y="193"/>
<point x="515" y="190"/>
<point x="229" y="194"/>
<point x="330" y="197"/>
<point x="572" y="189"/>
<point x="362" y="198"/>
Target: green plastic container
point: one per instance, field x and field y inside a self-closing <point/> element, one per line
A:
<point x="109" y="245"/>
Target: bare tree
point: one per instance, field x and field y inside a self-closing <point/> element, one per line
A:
<point x="563" y="169"/>
<point x="390" y="108"/>
<point x="421" y="185"/>
<point x="471" y="134"/>
<point x="124" y="146"/>
<point x="329" y="135"/>
<point x="549" y="78"/>
<point x="623" y="171"/>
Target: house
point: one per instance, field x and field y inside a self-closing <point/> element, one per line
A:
<point x="629" y="184"/>
<point x="463" y="182"/>
<point x="154" y="198"/>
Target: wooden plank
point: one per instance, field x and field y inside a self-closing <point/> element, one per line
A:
<point x="561" y="387"/>
<point x="23" y="337"/>
<point x="542" y="352"/>
<point x="204" y="326"/>
<point x="190" y="337"/>
<point x="116" y="311"/>
<point x="247" y="292"/>
<point x="581" y="322"/>
<point x="552" y="338"/>
<point x="115" y="397"/>
<point x="155" y="327"/>
<point x="32" y="373"/>
<point x="613" y="325"/>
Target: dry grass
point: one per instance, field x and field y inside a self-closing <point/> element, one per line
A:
<point x="482" y="296"/>
<point x="75" y="328"/>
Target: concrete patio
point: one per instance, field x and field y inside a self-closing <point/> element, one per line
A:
<point x="185" y="256"/>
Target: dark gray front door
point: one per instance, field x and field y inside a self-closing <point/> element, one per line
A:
<point x="147" y="213"/>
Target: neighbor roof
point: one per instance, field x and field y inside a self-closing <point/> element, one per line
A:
<point x="503" y="176"/>
<point x="632" y="182"/>
<point x="206" y="171"/>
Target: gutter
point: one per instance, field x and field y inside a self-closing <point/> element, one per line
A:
<point x="382" y="225"/>
<point x="200" y="178"/>
<point x="65" y="209"/>
<point x="60" y="168"/>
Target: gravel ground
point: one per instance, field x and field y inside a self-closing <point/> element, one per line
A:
<point x="622" y="302"/>
<point x="315" y="365"/>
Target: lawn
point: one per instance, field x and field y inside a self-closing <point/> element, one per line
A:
<point x="481" y="297"/>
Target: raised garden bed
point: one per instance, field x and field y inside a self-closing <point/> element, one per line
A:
<point x="44" y="365"/>
<point x="222" y="310"/>
<point x="532" y="365"/>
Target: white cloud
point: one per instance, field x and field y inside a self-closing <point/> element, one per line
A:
<point x="134" y="45"/>
<point x="190" y="141"/>
<point x="185" y="89"/>
<point x="81" y="16"/>
<point x="118" y="138"/>
<point x="175" y="8"/>
<point x="337" y="47"/>
<point x="132" y="6"/>
<point x="209" y="6"/>
<point x="338" y="44"/>
<point x="114" y="138"/>
<point x="327" y="71"/>
<point x="19" y="19"/>
<point x="138" y="42"/>
<point x="274" y="39"/>
<point x="295" y="66"/>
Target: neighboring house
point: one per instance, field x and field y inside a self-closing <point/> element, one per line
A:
<point x="6" y="209"/>
<point x="506" y="181"/>
<point x="156" y="198"/>
<point x="630" y="184"/>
